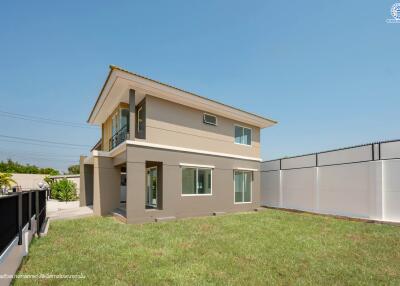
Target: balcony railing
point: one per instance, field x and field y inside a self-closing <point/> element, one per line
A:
<point x="119" y="137"/>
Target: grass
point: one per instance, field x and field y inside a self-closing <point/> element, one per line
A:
<point x="268" y="247"/>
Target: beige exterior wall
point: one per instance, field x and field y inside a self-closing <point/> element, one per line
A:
<point x="173" y="203"/>
<point x="173" y="124"/>
<point x="106" y="134"/>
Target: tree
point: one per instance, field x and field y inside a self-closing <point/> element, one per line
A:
<point x="49" y="171"/>
<point x="6" y="181"/>
<point x="14" y="167"/>
<point x="74" y="169"/>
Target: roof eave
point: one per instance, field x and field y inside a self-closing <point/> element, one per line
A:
<point x="99" y="96"/>
<point x="267" y="122"/>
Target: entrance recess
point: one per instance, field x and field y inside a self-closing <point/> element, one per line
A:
<point x="151" y="187"/>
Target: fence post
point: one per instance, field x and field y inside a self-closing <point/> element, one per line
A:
<point x="379" y="150"/>
<point x="19" y="218"/>
<point x="30" y="209"/>
<point x="373" y="151"/>
<point x="37" y="211"/>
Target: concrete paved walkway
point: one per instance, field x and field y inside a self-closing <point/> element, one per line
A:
<point x="67" y="210"/>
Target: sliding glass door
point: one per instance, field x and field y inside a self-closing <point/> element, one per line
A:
<point x="151" y="188"/>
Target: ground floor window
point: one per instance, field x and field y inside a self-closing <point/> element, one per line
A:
<point x="243" y="186"/>
<point x="196" y="181"/>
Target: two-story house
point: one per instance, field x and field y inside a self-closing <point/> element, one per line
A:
<point x="179" y="154"/>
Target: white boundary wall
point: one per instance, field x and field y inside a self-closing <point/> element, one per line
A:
<point x="28" y="181"/>
<point x="360" y="182"/>
<point x="11" y="258"/>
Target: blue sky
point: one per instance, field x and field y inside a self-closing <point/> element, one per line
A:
<point x="328" y="71"/>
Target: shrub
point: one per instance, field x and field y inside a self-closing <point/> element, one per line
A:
<point x="63" y="190"/>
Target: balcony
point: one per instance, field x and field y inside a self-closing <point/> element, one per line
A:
<point x="120" y="136"/>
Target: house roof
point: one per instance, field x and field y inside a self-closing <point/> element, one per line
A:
<point x="212" y="105"/>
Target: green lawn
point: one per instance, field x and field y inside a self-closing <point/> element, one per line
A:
<point x="268" y="247"/>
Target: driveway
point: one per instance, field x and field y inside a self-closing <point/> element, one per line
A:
<point x="67" y="210"/>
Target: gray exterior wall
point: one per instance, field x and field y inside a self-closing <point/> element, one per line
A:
<point x="174" y="204"/>
<point x="106" y="185"/>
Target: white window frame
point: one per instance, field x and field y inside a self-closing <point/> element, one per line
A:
<point x="209" y="123"/>
<point x="140" y="109"/>
<point x="251" y="187"/>
<point x="197" y="167"/>
<point x="251" y="135"/>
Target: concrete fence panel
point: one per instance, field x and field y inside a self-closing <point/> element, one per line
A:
<point x="391" y="190"/>
<point x="390" y="150"/>
<point x="299" y="162"/>
<point x="351" y="155"/>
<point x="298" y="189"/>
<point x="344" y="190"/>
<point x="270" y="165"/>
<point x="270" y="195"/>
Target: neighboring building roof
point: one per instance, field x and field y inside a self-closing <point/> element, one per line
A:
<point x="258" y="120"/>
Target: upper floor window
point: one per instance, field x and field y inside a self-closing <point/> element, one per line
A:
<point x="119" y="127"/>
<point x="242" y="135"/>
<point x="124" y="118"/>
<point x="209" y="119"/>
<point x="120" y="120"/>
<point x="140" y="128"/>
<point x="115" y="124"/>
